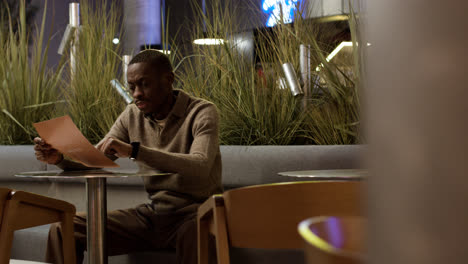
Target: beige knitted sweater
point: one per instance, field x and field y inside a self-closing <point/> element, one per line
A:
<point x="187" y="145"/>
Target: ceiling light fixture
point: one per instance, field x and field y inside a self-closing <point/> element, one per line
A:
<point x="209" y="41"/>
<point x="334" y="52"/>
<point x="338" y="49"/>
<point x="167" y="52"/>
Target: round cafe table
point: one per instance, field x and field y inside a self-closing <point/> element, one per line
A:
<point x="328" y="175"/>
<point x="96" y="206"/>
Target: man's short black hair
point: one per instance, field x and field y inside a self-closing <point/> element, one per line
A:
<point x="155" y="58"/>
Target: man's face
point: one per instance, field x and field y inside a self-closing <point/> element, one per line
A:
<point x="149" y="87"/>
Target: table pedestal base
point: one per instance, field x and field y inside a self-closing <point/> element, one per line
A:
<point x="96" y="220"/>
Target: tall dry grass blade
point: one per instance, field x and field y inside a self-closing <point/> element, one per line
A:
<point x="93" y="103"/>
<point x="25" y="80"/>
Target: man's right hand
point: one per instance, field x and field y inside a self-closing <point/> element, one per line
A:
<point x="45" y="152"/>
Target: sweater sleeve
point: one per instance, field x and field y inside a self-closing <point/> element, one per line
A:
<point x="119" y="129"/>
<point x="198" y="162"/>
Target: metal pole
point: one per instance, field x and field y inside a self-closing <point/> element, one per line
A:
<point x="121" y="90"/>
<point x="96" y="220"/>
<point x="291" y="78"/>
<point x="304" y="60"/>
<point x="125" y="61"/>
<point x="74" y="21"/>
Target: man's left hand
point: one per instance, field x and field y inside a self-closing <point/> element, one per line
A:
<point x="113" y="146"/>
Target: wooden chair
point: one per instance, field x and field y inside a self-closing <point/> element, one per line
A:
<point x="333" y="240"/>
<point x="266" y="216"/>
<point x="20" y="210"/>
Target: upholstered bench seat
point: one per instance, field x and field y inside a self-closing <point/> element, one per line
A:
<point x="242" y="166"/>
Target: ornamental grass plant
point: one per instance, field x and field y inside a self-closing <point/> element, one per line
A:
<point x="253" y="111"/>
<point x="92" y="102"/>
<point x="335" y="117"/>
<point x="253" y="108"/>
<point x="29" y="91"/>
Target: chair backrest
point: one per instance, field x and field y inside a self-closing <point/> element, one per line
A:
<point x="266" y="216"/>
<point x="23" y="210"/>
<point x="4" y="193"/>
<point x="334" y="240"/>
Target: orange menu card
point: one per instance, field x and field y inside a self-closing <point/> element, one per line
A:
<point x="62" y="134"/>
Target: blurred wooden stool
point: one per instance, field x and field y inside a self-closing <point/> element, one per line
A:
<point x="20" y="210"/>
<point x="334" y="240"/>
<point x="266" y="216"/>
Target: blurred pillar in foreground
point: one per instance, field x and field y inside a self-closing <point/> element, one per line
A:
<point x="416" y="120"/>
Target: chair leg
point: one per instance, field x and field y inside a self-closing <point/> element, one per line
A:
<point x="7" y="231"/>
<point x="6" y="238"/>
<point x="68" y="239"/>
<point x="222" y="245"/>
<point x="203" y="236"/>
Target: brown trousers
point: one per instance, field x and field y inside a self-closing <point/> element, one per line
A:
<point x="133" y="230"/>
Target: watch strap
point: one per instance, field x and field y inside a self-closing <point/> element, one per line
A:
<point x="135" y="150"/>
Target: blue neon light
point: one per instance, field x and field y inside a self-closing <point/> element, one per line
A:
<point x="273" y="9"/>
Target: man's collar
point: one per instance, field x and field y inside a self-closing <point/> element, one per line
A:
<point x="181" y="103"/>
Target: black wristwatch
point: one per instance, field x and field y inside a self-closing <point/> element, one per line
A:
<point x="135" y="149"/>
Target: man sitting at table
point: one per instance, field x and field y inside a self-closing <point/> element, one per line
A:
<point x="167" y="130"/>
